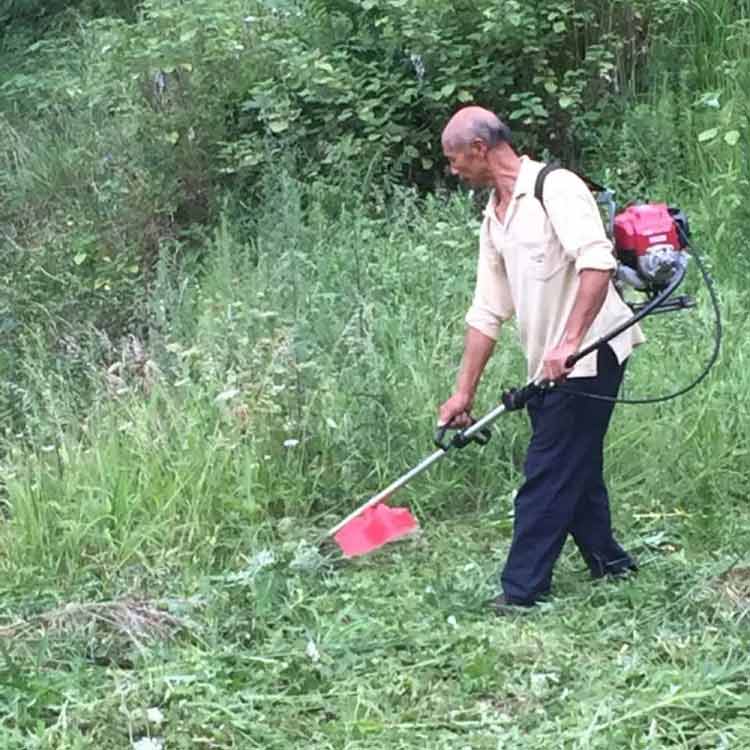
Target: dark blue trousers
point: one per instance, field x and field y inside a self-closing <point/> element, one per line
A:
<point x="564" y="492"/>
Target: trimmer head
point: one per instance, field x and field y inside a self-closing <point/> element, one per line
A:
<point x="374" y="527"/>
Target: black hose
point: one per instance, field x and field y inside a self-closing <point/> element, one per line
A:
<point x="649" y="308"/>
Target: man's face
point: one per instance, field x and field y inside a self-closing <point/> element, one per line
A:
<point x="467" y="162"/>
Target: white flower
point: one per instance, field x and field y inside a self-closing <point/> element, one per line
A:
<point x="312" y="651"/>
<point x="154" y="716"/>
<point x="149" y="743"/>
<point x="291" y="443"/>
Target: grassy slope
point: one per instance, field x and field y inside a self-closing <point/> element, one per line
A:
<point x="163" y="500"/>
<point x="397" y="651"/>
<point x="167" y="500"/>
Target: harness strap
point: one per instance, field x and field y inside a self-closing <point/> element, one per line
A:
<point x="595" y="187"/>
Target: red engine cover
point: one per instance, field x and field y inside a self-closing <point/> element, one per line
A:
<point x="639" y="228"/>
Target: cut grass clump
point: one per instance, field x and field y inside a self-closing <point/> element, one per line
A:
<point x="139" y="622"/>
<point x="734" y="590"/>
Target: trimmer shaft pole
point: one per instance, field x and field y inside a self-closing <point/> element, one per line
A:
<point x="485" y="421"/>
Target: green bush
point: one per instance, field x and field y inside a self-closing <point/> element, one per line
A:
<point x="357" y="80"/>
<point x="38" y="15"/>
<point x="120" y="141"/>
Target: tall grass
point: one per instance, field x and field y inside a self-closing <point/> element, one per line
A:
<point x="302" y="371"/>
<point x="287" y="363"/>
<point x="300" y="367"/>
<point x="712" y="44"/>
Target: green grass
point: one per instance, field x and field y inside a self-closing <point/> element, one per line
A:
<point x="324" y="331"/>
<point x="293" y="649"/>
<point x="175" y="488"/>
<point x="162" y="496"/>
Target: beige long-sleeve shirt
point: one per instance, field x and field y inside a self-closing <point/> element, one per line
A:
<point x="529" y="265"/>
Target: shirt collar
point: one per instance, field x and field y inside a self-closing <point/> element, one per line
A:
<point x="523" y="186"/>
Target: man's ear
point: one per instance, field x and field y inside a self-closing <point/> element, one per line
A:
<point x="479" y="147"/>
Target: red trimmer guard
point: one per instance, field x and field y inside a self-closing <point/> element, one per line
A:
<point x="373" y="528"/>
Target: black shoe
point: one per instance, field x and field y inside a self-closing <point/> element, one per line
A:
<point x="503" y="607"/>
<point x="614" y="570"/>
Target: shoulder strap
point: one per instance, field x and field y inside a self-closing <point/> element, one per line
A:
<point x="541" y="177"/>
<point x="595" y="187"/>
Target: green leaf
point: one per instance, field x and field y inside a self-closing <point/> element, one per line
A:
<point x="732" y="137"/>
<point x="79" y="258"/>
<point x="278" y="126"/>
<point x="173" y="137"/>
<point x="708" y="135"/>
<point x="447" y="90"/>
<point x="558" y="27"/>
<point x="565" y="101"/>
<point x="550" y="87"/>
<point x="464" y="96"/>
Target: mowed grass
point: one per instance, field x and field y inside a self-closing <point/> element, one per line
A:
<point x="293" y="647"/>
<point x="162" y="499"/>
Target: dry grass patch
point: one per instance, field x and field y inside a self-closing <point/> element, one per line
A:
<point x="734" y="589"/>
<point x="139" y="622"/>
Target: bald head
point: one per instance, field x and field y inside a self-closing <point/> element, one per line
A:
<point x="475" y="123"/>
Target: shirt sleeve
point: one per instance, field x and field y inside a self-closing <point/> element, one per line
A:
<point x="577" y="222"/>
<point x="492" y="302"/>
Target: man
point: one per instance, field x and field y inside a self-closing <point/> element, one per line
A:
<point x="552" y="270"/>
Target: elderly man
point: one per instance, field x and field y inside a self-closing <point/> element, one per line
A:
<point x="551" y="267"/>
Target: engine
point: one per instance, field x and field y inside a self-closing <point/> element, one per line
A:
<point x="650" y="244"/>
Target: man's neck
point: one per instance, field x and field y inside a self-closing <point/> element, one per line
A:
<point x="505" y="169"/>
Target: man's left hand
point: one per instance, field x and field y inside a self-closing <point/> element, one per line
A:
<point x="554" y="362"/>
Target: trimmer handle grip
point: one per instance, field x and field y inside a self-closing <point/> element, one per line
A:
<point x="516" y="398"/>
<point x="459" y="440"/>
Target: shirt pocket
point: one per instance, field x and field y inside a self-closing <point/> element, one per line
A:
<point x="541" y="252"/>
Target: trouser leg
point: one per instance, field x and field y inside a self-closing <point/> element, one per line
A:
<point x="592" y="531"/>
<point x="563" y="487"/>
<point x="546" y="502"/>
<point x="591" y="527"/>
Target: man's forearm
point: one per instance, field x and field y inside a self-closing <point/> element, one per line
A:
<point x="477" y="350"/>
<point x="592" y="291"/>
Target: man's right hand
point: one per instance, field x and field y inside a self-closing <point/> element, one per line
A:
<point x="455" y="411"/>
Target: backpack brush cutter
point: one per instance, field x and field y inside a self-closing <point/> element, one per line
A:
<point x="651" y="243"/>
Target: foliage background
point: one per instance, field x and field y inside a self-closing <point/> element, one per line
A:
<point x="231" y="298"/>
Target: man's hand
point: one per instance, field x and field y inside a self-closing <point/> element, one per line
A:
<point x="477" y="350"/>
<point x="455" y="411"/>
<point x="592" y="291"/>
<point x="555" y="369"/>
